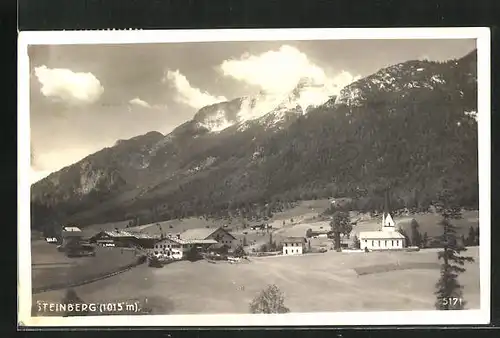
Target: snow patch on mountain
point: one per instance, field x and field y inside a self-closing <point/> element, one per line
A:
<point x="216" y="122"/>
<point x="306" y="95"/>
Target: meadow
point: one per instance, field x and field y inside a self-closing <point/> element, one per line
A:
<point x="330" y="281"/>
<point x="51" y="268"/>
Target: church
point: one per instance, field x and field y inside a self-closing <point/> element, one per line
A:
<point x="387" y="238"/>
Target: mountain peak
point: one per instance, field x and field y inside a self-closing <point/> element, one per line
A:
<point x="414" y="74"/>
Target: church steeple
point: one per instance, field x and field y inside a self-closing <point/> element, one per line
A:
<point x="387" y="221"/>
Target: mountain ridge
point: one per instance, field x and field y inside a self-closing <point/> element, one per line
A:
<point x="258" y="159"/>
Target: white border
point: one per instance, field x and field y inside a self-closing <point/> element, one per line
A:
<point x="481" y="316"/>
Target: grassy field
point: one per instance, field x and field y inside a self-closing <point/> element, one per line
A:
<point x="311" y="283"/>
<point x="51" y="267"/>
<point x="428" y="222"/>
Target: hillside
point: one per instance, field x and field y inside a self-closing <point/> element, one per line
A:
<point x="410" y="127"/>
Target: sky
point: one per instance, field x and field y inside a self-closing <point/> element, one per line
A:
<point x="86" y="97"/>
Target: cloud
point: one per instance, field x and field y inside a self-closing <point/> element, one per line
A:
<point x="68" y="86"/>
<point x="282" y="71"/>
<point x="137" y="101"/>
<point x="47" y="162"/>
<point x="188" y="94"/>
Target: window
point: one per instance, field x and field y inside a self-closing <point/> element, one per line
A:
<point x="392" y="243"/>
<point x="366" y="240"/>
<point x="373" y="243"/>
<point x="385" y="243"/>
<point x="378" y="243"/>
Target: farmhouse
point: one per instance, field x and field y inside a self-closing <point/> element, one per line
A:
<point x="218" y="234"/>
<point x="122" y="238"/>
<point x="178" y="245"/>
<point x="294" y="245"/>
<point x="71" y="236"/>
<point x="387" y="238"/>
<point x="113" y="238"/>
<point x="170" y="247"/>
<point x="175" y="247"/>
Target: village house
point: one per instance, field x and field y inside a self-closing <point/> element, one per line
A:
<point x="218" y="234"/>
<point x="71" y="236"/>
<point x="294" y="246"/>
<point x="387" y="238"/>
<point x="123" y="238"/>
<point x="178" y="245"/>
<point x="172" y="247"/>
<point x="115" y="237"/>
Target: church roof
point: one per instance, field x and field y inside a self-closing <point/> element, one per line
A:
<point x="380" y="235"/>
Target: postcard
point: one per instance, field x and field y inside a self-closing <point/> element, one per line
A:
<point x="254" y="177"/>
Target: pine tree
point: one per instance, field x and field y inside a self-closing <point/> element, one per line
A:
<point x="416" y="238"/>
<point x="448" y="289"/>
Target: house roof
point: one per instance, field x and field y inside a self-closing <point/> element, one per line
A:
<point x="127" y="234"/>
<point x="118" y="233"/>
<point x="200" y="233"/>
<point x="294" y="240"/>
<point x="188" y="241"/>
<point x="142" y="235"/>
<point x="380" y="235"/>
<point x="76" y="229"/>
<point x="197" y="233"/>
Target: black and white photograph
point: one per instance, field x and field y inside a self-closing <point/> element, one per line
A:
<point x="254" y="177"/>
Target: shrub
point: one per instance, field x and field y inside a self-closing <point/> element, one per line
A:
<point x="270" y="300"/>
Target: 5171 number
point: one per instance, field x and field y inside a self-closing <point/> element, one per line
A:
<point x="451" y="301"/>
